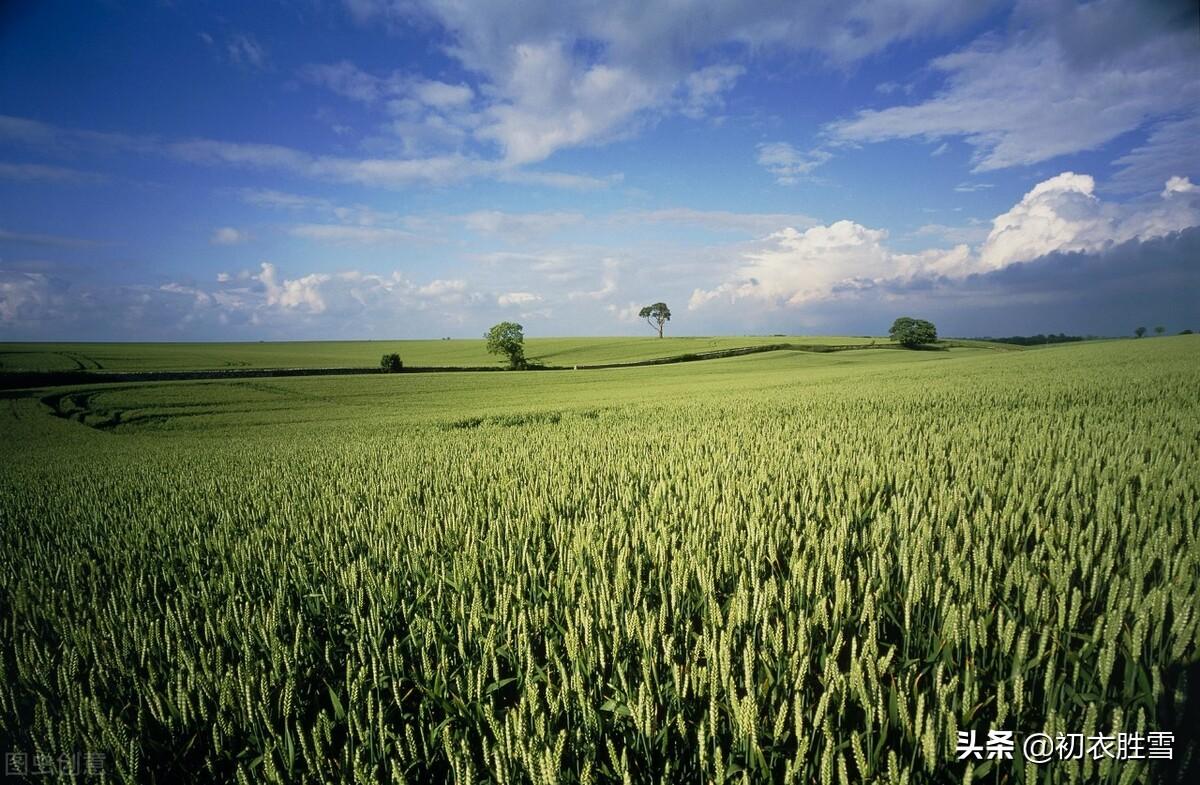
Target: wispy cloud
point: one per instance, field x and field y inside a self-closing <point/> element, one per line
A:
<point x="1018" y="100"/>
<point x="788" y="164"/>
<point x="563" y="75"/>
<point x="376" y="172"/>
<point x="47" y="174"/>
<point x="343" y="234"/>
<point x="50" y="240"/>
<point x="227" y="235"/>
<point x="245" y="50"/>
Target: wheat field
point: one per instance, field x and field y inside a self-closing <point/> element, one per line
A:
<point x="777" y="568"/>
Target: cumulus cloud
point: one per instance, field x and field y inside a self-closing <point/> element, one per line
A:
<point x="1107" y="291"/>
<point x="790" y="268"/>
<point x="551" y="103"/>
<point x="66" y="303"/>
<point x="1064" y="214"/>
<point x="300" y="293"/>
<point x="1068" y="77"/>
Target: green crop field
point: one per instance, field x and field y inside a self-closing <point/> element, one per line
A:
<point x="783" y="567"/>
<point x="336" y="354"/>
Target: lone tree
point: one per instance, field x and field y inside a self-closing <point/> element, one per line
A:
<point x="390" y="363"/>
<point x="911" y="332"/>
<point x="1159" y="330"/>
<point x="1139" y="332"/>
<point x="656" y="316"/>
<point x="507" y="338"/>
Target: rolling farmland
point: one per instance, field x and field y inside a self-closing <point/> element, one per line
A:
<point x="788" y="566"/>
<point x="320" y="354"/>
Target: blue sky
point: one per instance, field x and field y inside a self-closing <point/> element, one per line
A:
<point x="421" y="168"/>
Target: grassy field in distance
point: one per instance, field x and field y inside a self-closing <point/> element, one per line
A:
<point x="728" y="570"/>
<point x="335" y="354"/>
<point x="425" y="399"/>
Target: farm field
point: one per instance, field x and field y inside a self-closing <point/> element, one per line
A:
<point x="331" y="354"/>
<point x="731" y="571"/>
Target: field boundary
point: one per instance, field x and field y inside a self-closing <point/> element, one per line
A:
<point x="15" y="380"/>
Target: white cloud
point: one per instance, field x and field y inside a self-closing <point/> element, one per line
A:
<point x="1064" y="214"/>
<point x="379" y="172"/>
<point x="563" y="74"/>
<point x="23" y="295"/>
<point x="608" y="283"/>
<point x="788" y="164"/>
<point x="1067" y="78"/>
<point x="704" y="90"/>
<point x="265" y="197"/>
<point x="1168" y="151"/>
<point x="1178" y="185"/>
<point x="442" y="95"/>
<point x="349" y="81"/>
<point x="348" y="234"/>
<point x="575" y="182"/>
<point x="758" y="224"/>
<point x="517" y="298"/>
<point x="551" y="103"/>
<point x="791" y="268"/>
<point x="955" y="235"/>
<point x="1061" y="213"/>
<point x="227" y="235"/>
<point x="298" y="293"/>
<point x="243" y="49"/>
<point x="520" y="224"/>
<point x="446" y="291"/>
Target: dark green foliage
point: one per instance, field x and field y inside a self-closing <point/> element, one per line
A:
<point x="391" y="363"/>
<point x="508" y="339"/>
<point x="656" y="315"/>
<point x="1139" y="332"/>
<point x="911" y="332"/>
<point x="1039" y="339"/>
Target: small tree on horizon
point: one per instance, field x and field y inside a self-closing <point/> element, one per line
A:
<point x="656" y="316"/>
<point x="507" y="338"/>
<point x="910" y="332"/>
<point x="1159" y="330"/>
<point x="1139" y="332"/>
